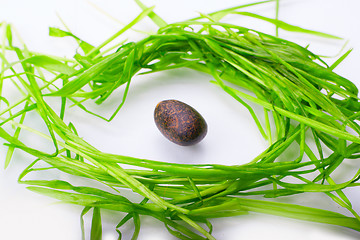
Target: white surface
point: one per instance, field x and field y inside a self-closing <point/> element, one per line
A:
<point x="232" y="137"/>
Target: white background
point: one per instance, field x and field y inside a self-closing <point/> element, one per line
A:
<point x="232" y="137"/>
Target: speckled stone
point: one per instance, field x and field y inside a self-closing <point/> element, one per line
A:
<point x="179" y="122"/>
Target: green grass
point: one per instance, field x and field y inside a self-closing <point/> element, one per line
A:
<point x="300" y="94"/>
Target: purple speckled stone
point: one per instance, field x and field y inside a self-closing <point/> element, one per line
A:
<point x="179" y="122"/>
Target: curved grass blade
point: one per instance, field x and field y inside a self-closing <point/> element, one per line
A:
<point x="340" y="59"/>
<point x="222" y="13"/>
<point x="82" y="225"/>
<point x="297" y="212"/>
<point x="154" y="17"/>
<point x="288" y="27"/>
<point x="96" y="226"/>
<point x="50" y="64"/>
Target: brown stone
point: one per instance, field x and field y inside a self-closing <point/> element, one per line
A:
<point x="179" y="122"/>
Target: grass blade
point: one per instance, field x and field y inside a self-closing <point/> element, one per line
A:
<point x="288" y="27"/>
<point x="50" y="64"/>
<point x="96" y="226"/>
<point x="154" y="17"/>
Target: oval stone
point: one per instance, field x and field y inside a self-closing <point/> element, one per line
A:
<point x="179" y="122"/>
